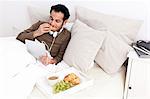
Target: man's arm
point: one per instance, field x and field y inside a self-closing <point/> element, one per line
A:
<point x="29" y="33"/>
<point x="47" y="60"/>
<point x="60" y="55"/>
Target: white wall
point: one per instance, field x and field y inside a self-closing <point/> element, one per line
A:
<point x="14" y="15"/>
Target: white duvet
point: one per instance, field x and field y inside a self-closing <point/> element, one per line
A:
<point x="21" y="71"/>
<point x="14" y="59"/>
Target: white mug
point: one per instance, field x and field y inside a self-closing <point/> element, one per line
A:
<point x="52" y="80"/>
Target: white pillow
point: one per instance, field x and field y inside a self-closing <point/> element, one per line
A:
<point x="37" y="13"/>
<point x="68" y="26"/>
<point x="14" y="56"/>
<point x="83" y="46"/>
<point x="112" y="54"/>
<point x="124" y="28"/>
<point x="123" y="33"/>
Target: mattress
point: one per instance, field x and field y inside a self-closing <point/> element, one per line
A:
<point x="105" y="86"/>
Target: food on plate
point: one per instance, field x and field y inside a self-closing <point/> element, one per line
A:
<point x="72" y="78"/>
<point x="69" y="81"/>
<point x="61" y="86"/>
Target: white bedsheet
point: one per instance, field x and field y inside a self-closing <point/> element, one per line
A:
<point x="19" y="69"/>
<point x="14" y="59"/>
<point x="22" y="85"/>
<point x="13" y="55"/>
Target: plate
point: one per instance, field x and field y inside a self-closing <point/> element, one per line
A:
<point x="85" y="81"/>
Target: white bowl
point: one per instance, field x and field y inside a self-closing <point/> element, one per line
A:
<point x="52" y="80"/>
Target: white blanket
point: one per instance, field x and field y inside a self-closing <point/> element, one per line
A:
<point x="20" y="70"/>
<point x="21" y="85"/>
<point x="14" y="55"/>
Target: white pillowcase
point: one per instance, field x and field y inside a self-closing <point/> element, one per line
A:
<point x="83" y="46"/>
<point x="68" y="26"/>
<point x="122" y="32"/>
<point x="112" y="54"/>
<point x="38" y="13"/>
<point x="124" y="28"/>
<point x="14" y="56"/>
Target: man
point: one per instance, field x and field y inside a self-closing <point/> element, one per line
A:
<point x="59" y="15"/>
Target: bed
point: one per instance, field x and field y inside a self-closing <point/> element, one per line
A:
<point x="104" y="85"/>
<point x="95" y="20"/>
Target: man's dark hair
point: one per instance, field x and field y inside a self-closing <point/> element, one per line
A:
<point x="61" y="8"/>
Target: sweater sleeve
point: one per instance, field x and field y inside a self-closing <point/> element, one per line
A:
<point x="28" y="33"/>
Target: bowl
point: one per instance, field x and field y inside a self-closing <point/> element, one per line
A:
<point x="52" y="80"/>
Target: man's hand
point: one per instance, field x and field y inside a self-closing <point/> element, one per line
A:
<point x="43" y="28"/>
<point x="46" y="60"/>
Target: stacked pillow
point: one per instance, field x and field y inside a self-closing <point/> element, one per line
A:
<point x="111" y="52"/>
<point x="83" y="46"/>
<point x="123" y="28"/>
<point x="121" y="32"/>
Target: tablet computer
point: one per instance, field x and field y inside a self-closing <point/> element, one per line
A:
<point x="35" y="48"/>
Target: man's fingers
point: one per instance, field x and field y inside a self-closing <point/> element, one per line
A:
<point x="45" y="26"/>
<point x="46" y="29"/>
<point x="44" y="59"/>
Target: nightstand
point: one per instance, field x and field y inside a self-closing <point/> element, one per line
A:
<point x="136" y="77"/>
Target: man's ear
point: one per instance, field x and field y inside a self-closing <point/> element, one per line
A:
<point x="65" y="22"/>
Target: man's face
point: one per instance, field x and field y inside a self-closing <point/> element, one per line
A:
<point x="56" y="20"/>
